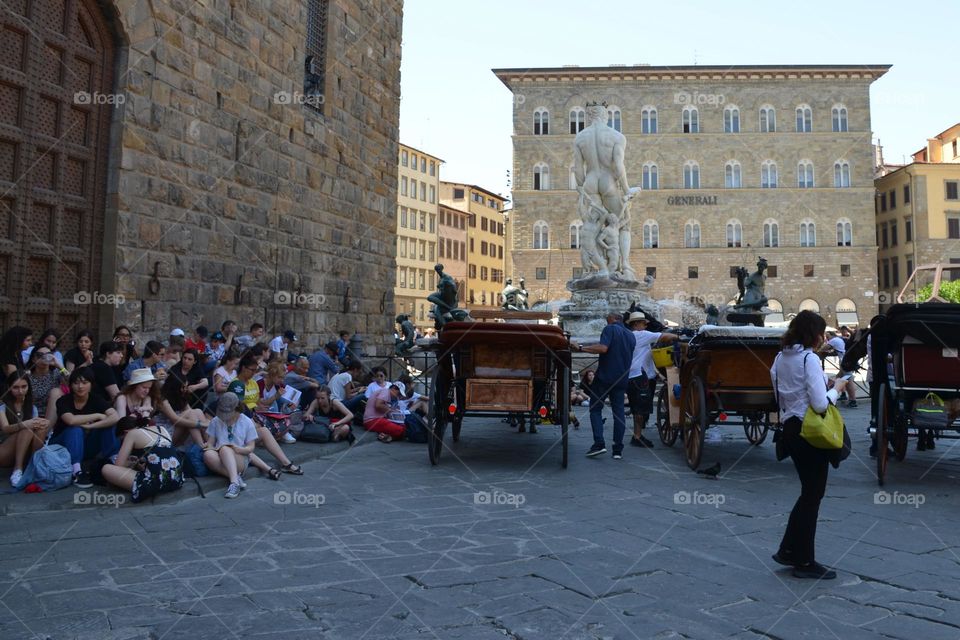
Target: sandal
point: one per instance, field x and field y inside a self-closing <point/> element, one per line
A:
<point x="273" y="473"/>
<point x="292" y="469"/>
<point x="384" y="438"/>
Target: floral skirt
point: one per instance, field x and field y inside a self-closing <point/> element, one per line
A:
<point x="161" y="473"/>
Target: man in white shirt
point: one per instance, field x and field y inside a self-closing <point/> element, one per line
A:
<point x="837" y="345"/>
<point x="344" y="387"/>
<point x="279" y="345"/>
<point x="642" y="382"/>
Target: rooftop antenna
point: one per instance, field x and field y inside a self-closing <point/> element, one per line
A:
<point x="694" y="57"/>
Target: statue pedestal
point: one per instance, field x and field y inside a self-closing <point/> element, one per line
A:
<point x="594" y="296"/>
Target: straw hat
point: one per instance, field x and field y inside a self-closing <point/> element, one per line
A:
<point x="139" y="376"/>
<point x="636" y="316"/>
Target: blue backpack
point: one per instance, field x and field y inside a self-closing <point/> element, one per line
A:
<point x="50" y="469"/>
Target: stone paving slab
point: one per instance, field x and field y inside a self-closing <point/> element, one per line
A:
<point x="497" y="541"/>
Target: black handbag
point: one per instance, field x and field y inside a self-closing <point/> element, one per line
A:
<point x="316" y="431"/>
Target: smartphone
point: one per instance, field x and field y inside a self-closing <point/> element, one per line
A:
<point x="845" y="376"/>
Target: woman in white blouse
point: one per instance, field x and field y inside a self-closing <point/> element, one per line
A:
<point x="799" y="382"/>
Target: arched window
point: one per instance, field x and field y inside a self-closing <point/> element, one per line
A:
<point x="541" y="235"/>
<point x="734" y="233"/>
<point x="805" y="174"/>
<point x="572" y="183"/>
<point x="648" y="120"/>
<point x="541" y="122"/>
<point x="651" y="176"/>
<point x="651" y="234"/>
<point x="804" y="118"/>
<point x="771" y="233"/>
<point x="691" y="234"/>
<point x="776" y="310"/>
<point x="575" y="234"/>
<point x="731" y="119"/>
<point x="613" y="118"/>
<point x="578" y="119"/>
<point x="847" y="313"/>
<point x="691" y="120"/>
<point x="844" y="232"/>
<point x="732" y="175"/>
<point x="691" y="175"/>
<point x="541" y="176"/>
<point x="839" y="117"/>
<point x="768" y="119"/>
<point x="768" y="175"/>
<point x="810" y="305"/>
<point x="841" y="174"/>
<point x="808" y="233"/>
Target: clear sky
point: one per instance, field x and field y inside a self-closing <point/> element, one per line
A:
<point x="453" y="107"/>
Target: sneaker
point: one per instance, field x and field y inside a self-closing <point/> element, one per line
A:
<point x="814" y="571"/>
<point x="241" y="483"/>
<point x="82" y="480"/>
<point x="596" y="450"/>
<point x="617" y="455"/>
<point x="232" y="491"/>
<point x="852" y="404"/>
<point x="641" y="442"/>
<point x="288" y="438"/>
<point x="16" y="477"/>
<point x="783" y="558"/>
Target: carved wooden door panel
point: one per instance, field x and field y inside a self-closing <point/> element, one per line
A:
<point x="56" y="78"/>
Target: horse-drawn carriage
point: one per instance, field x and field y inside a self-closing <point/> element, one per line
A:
<point x="499" y="369"/>
<point x="724" y="377"/>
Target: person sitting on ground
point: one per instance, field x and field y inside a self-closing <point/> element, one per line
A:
<point x="578" y="396"/>
<point x="175" y="414"/>
<point x="82" y="354"/>
<point x="21" y="426"/>
<point x="280" y="344"/>
<point x="12" y="345"/>
<point x="246" y="388"/>
<point x="382" y="414"/>
<point x="216" y="350"/>
<point x="198" y="341"/>
<point x="147" y="464"/>
<point x="231" y="440"/>
<point x="378" y="382"/>
<point x="259" y="352"/>
<point x="301" y="381"/>
<point x="49" y="339"/>
<point x="177" y="337"/>
<point x="45" y="380"/>
<point x="140" y="397"/>
<point x="174" y="352"/>
<point x="123" y="335"/>
<point x="333" y="412"/>
<point x="154" y="354"/>
<point x="345" y="387"/>
<point x="342" y="345"/>
<point x="225" y="373"/>
<point x="411" y="401"/>
<point x="228" y="329"/>
<point x="323" y="364"/>
<point x="84" y="424"/>
<point x="587" y="377"/>
<point x="104" y="369"/>
<point x="189" y="375"/>
<point x="252" y="338"/>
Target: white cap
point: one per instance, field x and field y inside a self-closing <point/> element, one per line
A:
<point x="177" y="332"/>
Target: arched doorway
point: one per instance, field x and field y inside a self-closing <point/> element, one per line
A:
<point x="810" y="305"/>
<point x="56" y="79"/>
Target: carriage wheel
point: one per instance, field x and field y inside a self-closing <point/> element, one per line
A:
<point x="756" y="426"/>
<point x="694" y="416"/>
<point x="457" y="418"/>
<point x="668" y="434"/>
<point x="899" y="440"/>
<point x="883" y="417"/>
<point x="438" y="418"/>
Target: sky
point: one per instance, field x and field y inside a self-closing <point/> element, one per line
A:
<point x="453" y="107"/>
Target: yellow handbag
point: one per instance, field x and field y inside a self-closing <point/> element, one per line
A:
<point x="823" y="431"/>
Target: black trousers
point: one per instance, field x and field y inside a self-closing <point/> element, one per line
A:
<point x="812" y="465"/>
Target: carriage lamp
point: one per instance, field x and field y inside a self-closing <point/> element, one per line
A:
<point x="543" y="412"/>
<point x="452" y="409"/>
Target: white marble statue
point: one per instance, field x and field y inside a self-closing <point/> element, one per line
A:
<point x="605" y="194"/>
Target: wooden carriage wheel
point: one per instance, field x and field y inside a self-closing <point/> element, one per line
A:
<point x="438" y="414"/>
<point x="694" y="417"/>
<point x="668" y="432"/>
<point x="883" y="417"/>
<point x="899" y="440"/>
<point x="756" y="426"/>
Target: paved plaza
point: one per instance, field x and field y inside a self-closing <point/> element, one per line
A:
<point x="497" y="541"/>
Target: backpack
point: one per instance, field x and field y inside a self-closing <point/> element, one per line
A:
<point x="415" y="428"/>
<point x="49" y="468"/>
<point x="930" y="413"/>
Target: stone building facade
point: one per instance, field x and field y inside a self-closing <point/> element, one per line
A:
<point x="918" y="214"/>
<point x="735" y="163"/>
<point x="190" y="162"/>
<point x="417" y="233"/>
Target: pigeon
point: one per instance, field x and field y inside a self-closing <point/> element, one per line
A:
<point x="710" y="472"/>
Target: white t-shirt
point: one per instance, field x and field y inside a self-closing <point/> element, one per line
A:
<point x="277" y="345"/>
<point x="642" y="355"/>
<point x="338" y="385"/>
<point x="373" y="387"/>
<point x="244" y="432"/>
<point x="228" y="376"/>
<point x="404" y="403"/>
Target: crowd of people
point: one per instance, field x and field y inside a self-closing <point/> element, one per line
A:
<point x="131" y="416"/>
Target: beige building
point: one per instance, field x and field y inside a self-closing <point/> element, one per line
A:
<point x="418" y="182"/>
<point x="735" y="162"/>
<point x="485" y="241"/>
<point x="918" y="213"/>
<point x="452" y="246"/>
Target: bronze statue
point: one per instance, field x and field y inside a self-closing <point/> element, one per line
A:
<point x="407" y="334"/>
<point x="445" y="300"/>
<point x="752" y="296"/>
